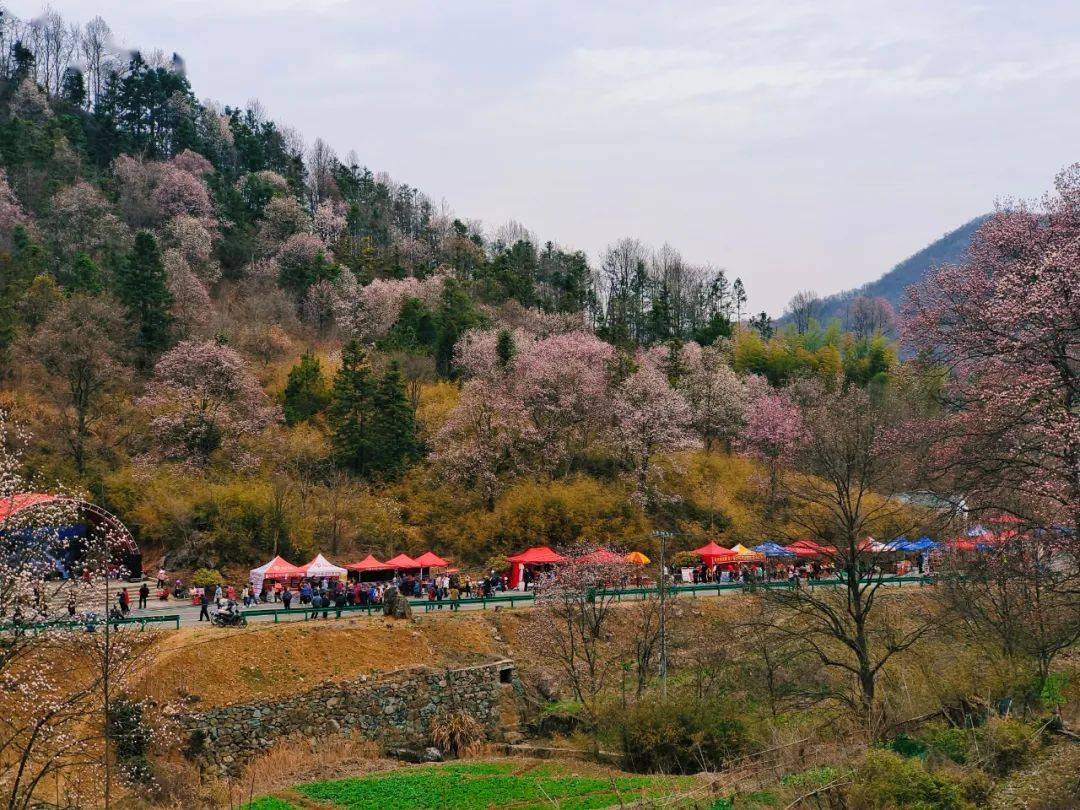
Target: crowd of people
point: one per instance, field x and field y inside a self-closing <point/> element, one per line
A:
<point x="322" y="595"/>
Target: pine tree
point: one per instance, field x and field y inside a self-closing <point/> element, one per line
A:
<point x="394" y="437"/>
<point x="352" y="412"/>
<point x="84" y="276"/>
<point x="456" y="315"/>
<point x="306" y="391"/>
<point x="141" y="288"/>
<point x="27" y="262"/>
<point x="504" y="348"/>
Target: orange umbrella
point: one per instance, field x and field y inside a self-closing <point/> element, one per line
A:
<point x="637" y="558"/>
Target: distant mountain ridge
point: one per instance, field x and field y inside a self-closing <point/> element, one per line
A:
<point x="950" y="248"/>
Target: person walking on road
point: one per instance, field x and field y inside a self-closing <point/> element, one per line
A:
<point x="204" y="606"/>
<point x="144" y="594"/>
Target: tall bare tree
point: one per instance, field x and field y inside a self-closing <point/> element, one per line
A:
<point x="803" y="307"/>
<point x="844" y="489"/>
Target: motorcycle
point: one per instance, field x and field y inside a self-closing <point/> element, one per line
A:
<point x="228" y="617"/>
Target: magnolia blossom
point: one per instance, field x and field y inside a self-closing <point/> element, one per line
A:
<point x="204" y="397"/>
<point x="329" y="220"/>
<point x="650" y="417"/>
<point x="151" y="192"/>
<point x="196" y="244"/>
<point x="563" y="383"/>
<point x="774" y="428"/>
<point x="374" y="308"/>
<point x="716" y="395"/>
<point x="283" y="217"/>
<point x="84" y="222"/>
<point x="193" y="163"/>
<point x="179" y="192"/>
<point x="1006" y="323"/>
<point x="11" y="210"/>
<point x="486" y="437"/>
<point x="191" y="306"/>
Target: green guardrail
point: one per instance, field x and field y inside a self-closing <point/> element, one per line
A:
<point x="68" y="624"/>
<point x="512" y="599"/>
<point x="427" y="604"/>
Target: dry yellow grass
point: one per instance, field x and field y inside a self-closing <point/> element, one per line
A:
<point x="225" y="667"/>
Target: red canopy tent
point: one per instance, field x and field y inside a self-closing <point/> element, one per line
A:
<point x="280" y="568"/>
<point x="430" y="559"/>
<point x="277" y="568"/>
<point x="402" y="561"/>
<point x="537" y="555"/>
<point x="712" y="553"/>
<point x="809" y="548"/>
<point x="369" y="563"/>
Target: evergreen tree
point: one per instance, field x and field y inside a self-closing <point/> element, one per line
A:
<point x="141" y="288"/>
<point x="456" y="315"/>
<point x="306" y="392"/>
<point x="352" y="412"/>
<point x="738" y="298"/>
<point x="504" y="348"/>
<point x="84" y="276"/>
<point x="762" y="324"/>
<point x="394" y="438"/>
<point x="26" y="262"/>
<point x="718" y="326"/>
<point x="414" y="331"/>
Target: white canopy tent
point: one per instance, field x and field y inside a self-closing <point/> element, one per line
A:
<point x="321" y="567"/>
<point x="277" y="568"/>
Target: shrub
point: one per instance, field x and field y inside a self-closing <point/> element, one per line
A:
<point x="207" y="578"/>
<point x="130" y="737"/>
<point x="947" y="742"/>
<point x="1005" y="745"/>
<point x="678" y="735"/>
<point x="887" y="780"/>
<point x="906" y="746"/>
<point x="457" y="733"/>
<point x="975" y="785"/>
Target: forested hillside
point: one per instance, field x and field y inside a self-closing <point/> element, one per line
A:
<point x="243" y="345"/>
<point x="949" y="249"/>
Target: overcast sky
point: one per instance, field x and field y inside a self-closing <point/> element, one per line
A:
<point x="798" y="144"/>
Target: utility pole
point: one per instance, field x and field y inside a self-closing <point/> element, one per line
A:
<point x="662" y="664"/>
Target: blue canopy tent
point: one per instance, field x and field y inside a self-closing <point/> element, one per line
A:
<point x="771" y="549"/>
<point x="922" y="544"/>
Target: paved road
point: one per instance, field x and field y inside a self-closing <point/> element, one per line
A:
<point x="189" y="614"/>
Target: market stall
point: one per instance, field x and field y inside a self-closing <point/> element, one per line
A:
<point x="322" y="568"/>
<point x="278" y="569"/>
<point x="370" y="568"/>
<point x="535" y="556"/>
<point x="403" y="562"/>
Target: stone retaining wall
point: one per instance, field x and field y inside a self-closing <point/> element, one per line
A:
<point x="394" y="708"/>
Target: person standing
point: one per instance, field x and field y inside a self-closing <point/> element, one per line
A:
<point x="71" y="603"/>
<point x="162" y="575"/>
<point x="144" y="594"/>
<point x="286" y="597"/>
<point x="125" y="602"/>
<point x="204" y="605"/>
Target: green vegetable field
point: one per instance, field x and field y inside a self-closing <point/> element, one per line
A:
<point x="471" y="785"/>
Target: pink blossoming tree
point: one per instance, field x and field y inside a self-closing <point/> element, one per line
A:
<point x="204" y="398"/>
<point x="1005" y="325"/>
